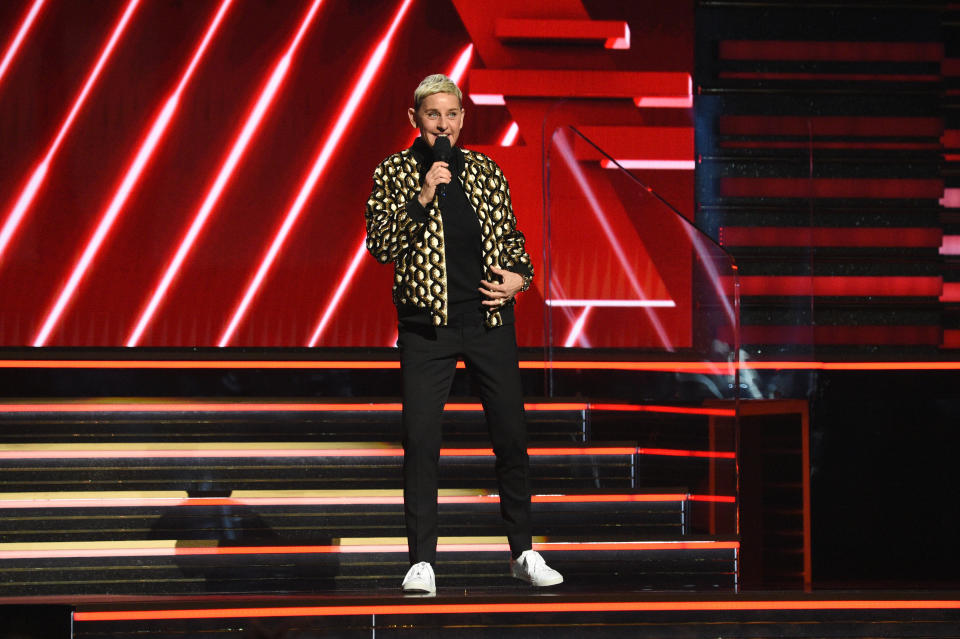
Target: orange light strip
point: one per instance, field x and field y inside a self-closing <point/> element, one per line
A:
<point x="239" y="453"/>
<point x="682" y="410"/>
<point x="282" y="407"/>
<point x="526" y="606"/>
<point x="670" y="452"/>
<point x="702" y="368"/>
<point x="164" y="502"/>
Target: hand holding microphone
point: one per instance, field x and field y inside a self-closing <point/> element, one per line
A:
<point x="439" y="174"/>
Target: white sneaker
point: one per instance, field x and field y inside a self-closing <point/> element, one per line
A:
<point x="420" y="579"/>
<point x="531" y="568"/>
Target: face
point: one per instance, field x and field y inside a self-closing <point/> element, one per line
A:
<point x="439" y="114"/>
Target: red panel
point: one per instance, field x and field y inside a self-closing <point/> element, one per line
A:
<point x="830" y="51"/>
<point x="829" y="236"/>
<point x="829" y="125"/>
<point x="523" y="83"/>
<point x="831" y="188"/>
<point x="546" y="30"/>
<point x="634" y="142"/>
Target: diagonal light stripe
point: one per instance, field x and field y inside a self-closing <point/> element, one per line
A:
<point x="510" y="135"/>
<point x="19" y="211"/>
<point x="577" y="328"/>
<point x="240" y="143"/>
<point x="130" y="179"/>
<point x="19" y="38"/>
<point x="333" y="140"/>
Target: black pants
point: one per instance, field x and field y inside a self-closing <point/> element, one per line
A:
<point x="428" y="358"/>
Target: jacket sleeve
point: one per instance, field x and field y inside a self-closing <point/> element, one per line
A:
<point x="390" y="216"/>
<point x="514" y="256"/>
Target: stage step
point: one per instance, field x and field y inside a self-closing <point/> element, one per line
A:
<point x="517" y="613"/>
<point x="226" y="466"/>
<point x="167" y="567"/>
<point x="310" y="516"/>
<point x="326" y="420"/>
<point x="170" y="498"/>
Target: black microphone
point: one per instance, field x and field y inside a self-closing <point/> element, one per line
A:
<point x="442" y="153"/>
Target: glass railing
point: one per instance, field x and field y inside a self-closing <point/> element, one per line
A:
<point x="627" y="275"/>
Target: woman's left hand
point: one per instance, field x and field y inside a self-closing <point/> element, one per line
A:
<point x="500" y="294"/>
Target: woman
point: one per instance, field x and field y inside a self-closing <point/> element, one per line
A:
<point x="443" y="216"/>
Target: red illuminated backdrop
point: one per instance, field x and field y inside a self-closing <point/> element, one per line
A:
<point x="193" y="174"/>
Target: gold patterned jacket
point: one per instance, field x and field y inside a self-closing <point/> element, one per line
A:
<point x="416" y="248"/>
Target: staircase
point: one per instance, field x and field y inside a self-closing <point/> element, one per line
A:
<point x="177" y="497"/>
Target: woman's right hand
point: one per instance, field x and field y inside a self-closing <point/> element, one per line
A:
<point x="439" y="173"/>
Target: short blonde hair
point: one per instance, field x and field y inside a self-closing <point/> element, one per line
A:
<point x="436" y="83"/>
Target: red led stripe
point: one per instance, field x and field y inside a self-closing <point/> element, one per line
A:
<point x="830" y="51"/>
<point x="237" y="150"/>
<point x="851" y="126"/>
<point x="820" y="144"/>
<point x="347" y="112"/>
<point x="680" y="410"/>
<point x="464" y="607"/>
<point x="30" y="189"/>
<point x="19" y="38"/>
<point x="854" y="285"/>
<point x="723" y="499"/>
<point x="838" y="77"/>
<point x="130" y="179"/>
<point x="671" y="452"/>
<point x="832" y="188"/>
<point x="830" y="236"/>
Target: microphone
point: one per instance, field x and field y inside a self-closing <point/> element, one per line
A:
<point x="442" y="153"/>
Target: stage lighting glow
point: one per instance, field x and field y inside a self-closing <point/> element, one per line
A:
<point x="656" y="165"/>
<point x="130" y="180"/>
<point x="577" y="328"/>
<point x="333" y="140"/>
<point x="488" y="99"/>
<point x="21" y="35"/>
<point x="19" y="211"/>
<point x="237" y="151"/>
<point x="613" y="303"/>
<point x="510" y="136"/>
